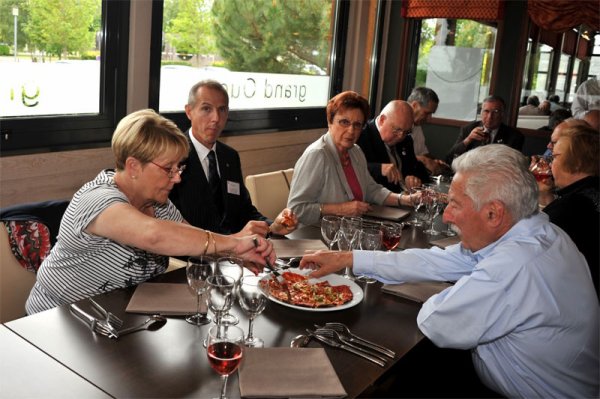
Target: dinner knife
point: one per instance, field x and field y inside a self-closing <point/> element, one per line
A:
<point x="347" y="348"/>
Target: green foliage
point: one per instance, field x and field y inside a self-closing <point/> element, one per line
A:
<point x="185" y="63"/>
<point x="63" y="27"/>
<point x="7" y="24"/>
<point x="473" y="34"/>
<point x="276" y="36"/>
<point x="4" y="49"/>
<point x="188" y="25"/>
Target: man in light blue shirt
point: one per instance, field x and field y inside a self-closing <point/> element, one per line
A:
<point x="523" y="301"/>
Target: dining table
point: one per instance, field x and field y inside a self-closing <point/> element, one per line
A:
<point x="172" y="362"/>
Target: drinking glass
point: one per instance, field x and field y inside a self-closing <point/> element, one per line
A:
<point x="391" y="233"/>
<point x="416" y="201"/>
<point x="253" y="300"/>
<point x="541" y="167"/>
<point x="330" y="225"/>
<point x="220" y="295"/>
<point x="224" y="351"/>
<point x="233" y="267"/>
<point x="443" y="203"/>
<point x="370" y="240"/>
<point x="432" y="207"/>
<point x="198" y="269"/>
<point x="349" y="238"/>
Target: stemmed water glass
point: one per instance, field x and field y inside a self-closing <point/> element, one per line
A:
<point x="432" y="206"/>
<point x="231" y="267"/>
<point x="330" y="225"/>
<point x="224" y="351"/>
<point x="220" y="295"/>
<point x="349" y="238"/>
<point x="198" y="270"/>
<point x="390" y="235"/>
<point x="370" y="240"/>
<point x="416" y="200"/>
<point x="253" y="300"/>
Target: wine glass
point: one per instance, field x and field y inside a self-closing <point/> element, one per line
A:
<point x="220" y="295"/>
<point x="232" y="267"/>
<point x="370" y="240"/>
<point x="432" y="208"/>
<point x="224" y="351"/>
<point x="443" y="203"/>
<point x="329" y="227"/>
<point x="391" y="233"/>
<point x="416" y="200"/>
<point x="253" y="300"/>
<point x="349" y="238"/>
<point x="198" y="269"/>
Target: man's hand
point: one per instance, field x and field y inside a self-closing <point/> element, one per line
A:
<point x="353" y="208"/>
<point x="253" y="227"/>
<point x="284" y="223"/>
<point x="326" y="262"/>
<point x="477" y="134"/>
<point x="412" y="181"/>
<point x="392" y="173"/>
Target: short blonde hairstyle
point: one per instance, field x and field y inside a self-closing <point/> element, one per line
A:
<point x="145" y="135"/>
<point x="582" y="150"/>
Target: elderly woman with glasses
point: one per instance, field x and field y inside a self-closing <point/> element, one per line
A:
<point x="331" y="176"/>
<point x="120" y="228"/>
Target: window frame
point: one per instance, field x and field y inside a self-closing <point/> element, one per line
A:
<point x="37" y="134"/>
<point x="243" y="122"/>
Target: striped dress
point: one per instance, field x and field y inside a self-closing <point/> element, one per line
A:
<point x="82" y="265"/>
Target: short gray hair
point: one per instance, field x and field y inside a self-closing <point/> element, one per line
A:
<point x="498" y="172"/>
<point x="211" y="84"/>
<point x="424" y="96"/>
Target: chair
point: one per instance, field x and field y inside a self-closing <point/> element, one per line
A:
<point x="269" y="191"/>
<point x="33" y="229"/>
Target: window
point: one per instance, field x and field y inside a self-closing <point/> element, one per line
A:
<point x="274" y="58"/>
<point x="595" y="59"/>
<point x="455" y="59"/>
<point x="536" y="78"/>
<point x="67" y="86"/>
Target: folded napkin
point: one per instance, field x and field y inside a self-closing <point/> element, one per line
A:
<point x="164" y="298"/>
<point x="387" y="212"/>
<point x="293" y="248"/>
<point x="444" y="242"/>
<point x="288" y="372"/>
<point x="418" y="292"/>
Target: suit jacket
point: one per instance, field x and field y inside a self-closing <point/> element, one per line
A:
<point x="506" y="135"/>
<point x="376" y="153"/>
<point x="192" y="196"/>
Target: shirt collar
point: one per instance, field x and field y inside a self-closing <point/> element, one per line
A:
<point x="201" y="150"/>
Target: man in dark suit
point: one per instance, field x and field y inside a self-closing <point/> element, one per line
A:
<point x="388" y="147"/>
<point x="212" y="194"/>
<point x="489" y="129"/>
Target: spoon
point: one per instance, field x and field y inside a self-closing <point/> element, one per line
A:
<point x="152" y="323"/>
<point x="300" y="341"/>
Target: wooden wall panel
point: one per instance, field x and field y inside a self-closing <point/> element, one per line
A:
<point x="58" y="175"/>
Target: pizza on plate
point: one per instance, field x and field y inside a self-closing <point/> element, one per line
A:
<point x="296" y="289"/>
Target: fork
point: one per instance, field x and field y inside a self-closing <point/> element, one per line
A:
<point x="97" y="326"/>
<point x="344" y="331"/>
<point x="339" y="345"/>
<point x="110" y="318"/>
<point x="329" y="333"/>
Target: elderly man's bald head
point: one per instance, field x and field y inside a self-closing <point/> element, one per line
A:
<point x="395" y="121"/>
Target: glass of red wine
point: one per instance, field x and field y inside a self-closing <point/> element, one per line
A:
<point x="224" y="351"/>
<point x="391" y="233"/>
<point x="541" y="167"/>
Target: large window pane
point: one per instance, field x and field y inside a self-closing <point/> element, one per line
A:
<point x="268" y="54"/>
<point x="455" y="59"/>
<point x="56" y="67"/>
<point x="536" y="74"/>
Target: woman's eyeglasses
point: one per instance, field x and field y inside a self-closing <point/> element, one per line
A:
<point x="355" y="125"/>
<point x="170" y="172"/>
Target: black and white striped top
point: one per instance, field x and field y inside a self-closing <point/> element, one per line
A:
<point x="81" y="265"/>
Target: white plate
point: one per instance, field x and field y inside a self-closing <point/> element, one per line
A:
<point x="333" y="279"/>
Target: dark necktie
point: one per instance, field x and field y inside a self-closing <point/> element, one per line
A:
<point x="215" y="181"/>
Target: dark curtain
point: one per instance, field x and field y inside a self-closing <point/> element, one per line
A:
<point x="562" y="15"/>
<point x="490" y="10"/>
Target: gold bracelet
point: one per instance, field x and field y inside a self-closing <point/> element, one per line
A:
<point x="206" y="243"/>
<point x="214" y="242"/>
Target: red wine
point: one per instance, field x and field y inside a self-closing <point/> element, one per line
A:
<point x="542" y="176"/>
<point x="390" y="240"/>
<point x="224" y="357"/>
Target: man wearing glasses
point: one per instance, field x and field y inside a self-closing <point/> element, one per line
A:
<point x="490" y="129"/>
<point x="388" y="147"/>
